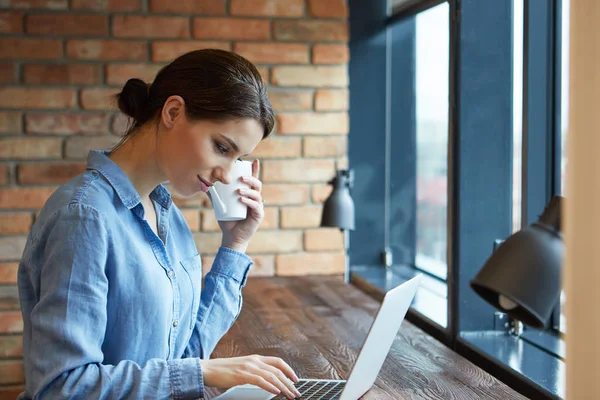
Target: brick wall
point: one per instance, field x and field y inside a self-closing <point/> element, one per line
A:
<point x="61" y="60"/>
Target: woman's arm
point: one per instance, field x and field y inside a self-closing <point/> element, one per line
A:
<point x="220" y="302"/>
<point x="63" y="289"/>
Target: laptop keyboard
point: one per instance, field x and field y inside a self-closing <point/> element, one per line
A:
<point x="316" y="390"/>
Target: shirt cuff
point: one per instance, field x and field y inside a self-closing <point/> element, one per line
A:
<point x="232" y="263"/>
<point x="186" y="379"/>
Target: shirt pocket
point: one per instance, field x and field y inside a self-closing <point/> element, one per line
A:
<point x="193" y="269"/>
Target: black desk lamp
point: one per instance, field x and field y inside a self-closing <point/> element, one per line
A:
<point x="522" y="277"/>
<point x="338" y="210"/>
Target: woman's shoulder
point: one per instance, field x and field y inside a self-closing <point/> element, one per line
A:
<point x="86" y="191"/>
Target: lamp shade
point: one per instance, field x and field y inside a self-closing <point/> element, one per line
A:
<point x="522" y="277"/>
<point x="338" y="210"/>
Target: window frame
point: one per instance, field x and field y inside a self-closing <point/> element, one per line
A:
<point x="540" y="180"/>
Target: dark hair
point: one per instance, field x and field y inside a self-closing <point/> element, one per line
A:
<point x="215" y="84"/>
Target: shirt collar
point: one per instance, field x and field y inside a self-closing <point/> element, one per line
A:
<point x="99" y="161"/>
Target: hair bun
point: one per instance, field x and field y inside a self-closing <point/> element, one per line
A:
<point x="133" y="100"/>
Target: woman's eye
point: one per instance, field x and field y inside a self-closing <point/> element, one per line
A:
<point x="221" y="149"/>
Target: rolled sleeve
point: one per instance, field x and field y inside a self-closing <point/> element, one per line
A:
<point x="186" y="379"/>
<point x="233" y="264"/>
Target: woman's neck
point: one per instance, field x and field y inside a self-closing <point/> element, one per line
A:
<point x="137" y="157"/>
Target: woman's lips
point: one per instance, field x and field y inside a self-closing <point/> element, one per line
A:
<point x="204" y="186"/>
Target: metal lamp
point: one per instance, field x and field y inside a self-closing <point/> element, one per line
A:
<point x="338" y="210"/>
<point x="522" y="276"/>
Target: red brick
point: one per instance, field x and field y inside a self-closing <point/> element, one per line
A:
<point x="42" y="4"/>
<point x="11" y="372"/>
<point x="307" y="30"/>
<point x="323" y="239"/>
<point x="270" y="221"/>
<point x="275" y="241"/>
<point x="11" y="22"/>
<point x="58" y="24"/>
<point x="278" y="147"/>
<point x="268" y="8"/>
<point x="8" y="271"/>
<point x="7" y="73"/>
<point x="107" y="50"/>
<point x="207" y="242"/>
<point x="192" y="217"/>
<point x="3" y="174"/>
<point x="320" y="193"/>
<point x="264" y="72"/>
<point x="291" y="100"/>
<point x="301" y="217"/>
<point x="120" y="124"/>
<point x="11" y="249"/>
<point x="24" y="198"/>
<point x="31" y="148"/>
<point x="11" y="346"/>
<point x="324" y="263"/>
<point x="231" y="28"/>
<point x="331" y="100"/>
<point x="297" y="170"/>
<point x="110" y="5"/>
<point x="10" y="322"/>
<point x="30" y="48"/>
<point x="78" y="147"/>
<point x="150" y="26"/>
<point x="309" y="76"/>
<point x="325" y="146"/>
<point x="61" y="74"/>
<point x="11" y="224"/>
<point x="118" y="74"/>
<point x="284" y="194"/>
<point x="330" y="54"/>
<point x="98" y="99"/>
<point x="167" y="51"/>
<point x="205" y="7"/>
<point x="313" y="123"/>
<point x="273" y="53"/>
<point x="66" y="123"/>
<point x="16" y="97"/>
<point x="58" y="173"/>
<point x="328" y="8"/>
<point x="10" y="122"/>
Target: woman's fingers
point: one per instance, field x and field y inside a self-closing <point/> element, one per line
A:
<point x="262" y="383"/>
<point x="281" y="377"/>
<point x="273" y="380"/>
<point x="253" y="182"/>
<point x="281" y="365"/>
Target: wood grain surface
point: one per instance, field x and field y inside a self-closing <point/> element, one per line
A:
<point x="318" y="324"/>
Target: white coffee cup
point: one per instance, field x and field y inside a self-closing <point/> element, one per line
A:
<point x="226" y="198"/>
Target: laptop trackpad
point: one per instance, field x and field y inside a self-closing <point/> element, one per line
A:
<point x="245" y="392"/>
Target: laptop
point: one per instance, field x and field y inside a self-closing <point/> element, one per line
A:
<point x="375" y="348"/>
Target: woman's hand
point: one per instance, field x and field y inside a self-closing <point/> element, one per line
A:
<point x="269" y="373"/>
<point x="237" y="234"/>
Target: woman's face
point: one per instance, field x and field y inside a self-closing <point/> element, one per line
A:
<point x="194" y="154"/>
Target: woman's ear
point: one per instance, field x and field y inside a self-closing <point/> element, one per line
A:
<point x="173" y="108"/>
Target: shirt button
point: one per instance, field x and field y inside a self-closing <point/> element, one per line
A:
<point x="175" y="323"/>
<point x="171" y="274"/>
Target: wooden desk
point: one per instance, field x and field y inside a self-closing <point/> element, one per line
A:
<point x="318" y="325"/>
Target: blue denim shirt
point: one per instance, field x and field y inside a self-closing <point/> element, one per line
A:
<point x="111" y="310"/>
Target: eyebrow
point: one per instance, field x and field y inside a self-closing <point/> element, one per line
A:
<point x="232" y="144"/>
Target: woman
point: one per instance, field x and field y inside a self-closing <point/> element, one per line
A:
<point x="110" y="279"/>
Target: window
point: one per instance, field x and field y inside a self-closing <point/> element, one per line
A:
<point x="517" y="112"/>
<point x="564" y="119"/>
<point x="432" y="62"/>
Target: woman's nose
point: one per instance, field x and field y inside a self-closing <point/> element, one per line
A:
<point x="223" y="174"/>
